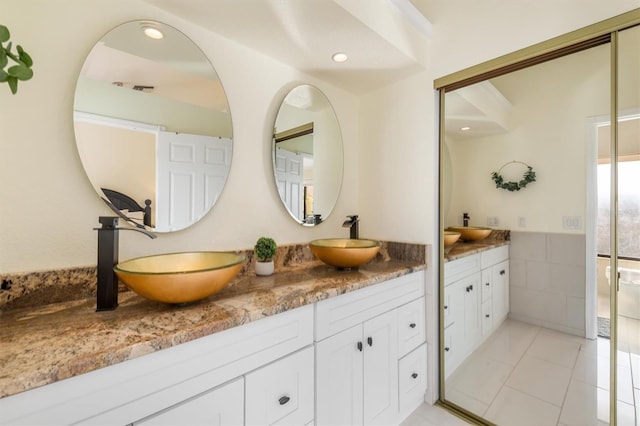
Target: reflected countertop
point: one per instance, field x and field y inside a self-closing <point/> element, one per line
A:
<point x="44" y="344"/>
<point x="462" y="249"/>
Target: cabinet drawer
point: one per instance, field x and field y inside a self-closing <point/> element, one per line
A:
<point x="411" y="326"/>
<point x="221" y="406"/>
<point x="460" y="268"/>
<point x="282" y="392"/>
<point x="342" y="312"/>
<point x="412" y="375"/>
<point x="493" y="256"/>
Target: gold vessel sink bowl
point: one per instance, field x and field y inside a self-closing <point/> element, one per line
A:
<point x="450" y="238"/>
<point x="345" y="253"/>
<point x="471" y="233"/>
<point x="179" y="277"/>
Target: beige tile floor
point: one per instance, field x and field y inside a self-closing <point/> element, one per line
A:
<point x="525" y="374"/>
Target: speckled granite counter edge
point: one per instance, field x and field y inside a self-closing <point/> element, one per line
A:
<point x="496" y="239"/>
<point x="41" y="344"/>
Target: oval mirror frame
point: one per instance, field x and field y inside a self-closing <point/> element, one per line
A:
<point x="307" y="151"/>
<point x="152" y="126"/>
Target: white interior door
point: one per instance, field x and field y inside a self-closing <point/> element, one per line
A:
<point x="289" y="178"/>
<point x="192" y="170"/>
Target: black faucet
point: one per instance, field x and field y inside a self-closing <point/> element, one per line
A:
<point x="107" y="295"/>
<point x="352" y="224"/>
<point x="465" y="219"/>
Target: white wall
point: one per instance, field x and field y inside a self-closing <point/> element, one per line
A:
<point x="49" y="208"/>
<point x="549" y="132"/>
<point x="398" y="152"/>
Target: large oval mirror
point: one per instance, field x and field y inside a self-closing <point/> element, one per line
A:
<point x="307" y="155"/>
<point x="152" y="126"/>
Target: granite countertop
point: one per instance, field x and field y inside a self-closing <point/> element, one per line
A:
<point x="461" y="249"/>
<point x="47" y="343"/>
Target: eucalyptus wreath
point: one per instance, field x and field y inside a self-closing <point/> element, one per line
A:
<point x="528" y="177"/>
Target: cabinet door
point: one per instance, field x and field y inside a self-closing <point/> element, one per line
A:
<point x="487" y="318"/>
<point x="281" y="392"/>
<point x="381" y="369"/>
<point x="472" y="312"/>
<point x="339" y="372"/>
<point x="487" y="279"/>
<point x="221" y="406"/>
<point x="500" y="291"/>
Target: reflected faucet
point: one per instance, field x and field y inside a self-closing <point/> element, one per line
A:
<point x="353" y="224"/>
<point x="465" y="219"/>
<point x="107" y="294"/>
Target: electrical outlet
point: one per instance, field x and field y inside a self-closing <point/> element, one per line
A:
<point x="572" y="222"/>
<point x="522" y="222"/>
<point x="492" y="220"/>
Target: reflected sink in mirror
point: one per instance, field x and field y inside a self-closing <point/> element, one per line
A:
<point x="179" y="277"/>
<point x="471" y="233"/>
<point x="345" y="253"/>
<point x="450" y="238"/>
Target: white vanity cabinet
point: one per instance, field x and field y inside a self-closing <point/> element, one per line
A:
<point x="370" y="354"/>
<point x="476" y="302"/>
<point x="219" y="407"/>
<point x="198" y="381"/>
<point x="366" y="365"/>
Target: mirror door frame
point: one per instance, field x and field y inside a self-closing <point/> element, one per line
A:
<point x="593" y="35"/>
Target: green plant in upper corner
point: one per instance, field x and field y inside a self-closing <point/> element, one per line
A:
<point x="21" y="70"/>
<point x="265" y="249"/>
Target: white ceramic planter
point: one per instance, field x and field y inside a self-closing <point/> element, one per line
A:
<point x="264" y="268"/>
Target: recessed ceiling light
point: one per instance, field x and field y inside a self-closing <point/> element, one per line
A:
<point x="464" y="129"/>
<point x="152" y="32"/>
<point x="339" y="57"/>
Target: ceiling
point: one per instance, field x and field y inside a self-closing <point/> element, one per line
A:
<point x="386" y="40"/>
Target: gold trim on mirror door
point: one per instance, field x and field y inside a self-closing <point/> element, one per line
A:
<point x="574" y="41"/>
<point x="285" y="135"/>
<point x="613" y="230"/>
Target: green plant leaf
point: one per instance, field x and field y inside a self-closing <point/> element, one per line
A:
<point x="21" y="72"/>
<point x="4" y="34"/>
<point x="3" y="76"/>
<point x="24" y="57"/>
<point x="3" y="59"/>
<point x="13" y="84"/>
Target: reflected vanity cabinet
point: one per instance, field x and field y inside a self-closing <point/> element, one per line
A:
<point x="476" y="302"/>
<point x="371" y="354"/>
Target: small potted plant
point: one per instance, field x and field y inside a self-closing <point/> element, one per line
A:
<point x="264" y="250"/>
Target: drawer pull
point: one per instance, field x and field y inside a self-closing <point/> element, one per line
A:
<point x="487" y="284"/>
<point x="283" y="400"/>
<point x="360" y="346"/>
<point x="446" y="349"/>
<point x="446" y="306"/>
<point x="502" y="272"/>
<point x="414" y="375"/>
<point x="369" y="341"/>
<point x="413" y="324"/>
<point x="487" y="316"/>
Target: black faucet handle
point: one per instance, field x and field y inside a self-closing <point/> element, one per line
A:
<point x="108" y="222"/>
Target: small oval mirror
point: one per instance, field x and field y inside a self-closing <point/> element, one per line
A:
<point x="307" y="155"/>
<point x="152" y="125"/>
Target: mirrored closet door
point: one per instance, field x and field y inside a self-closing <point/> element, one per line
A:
<point x="533" y="327"/>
